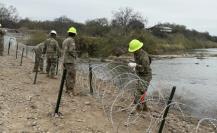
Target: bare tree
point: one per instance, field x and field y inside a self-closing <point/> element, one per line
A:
<point x="126" y="18"/>
<point x="97" y="27"/>
<point x="8" y="16"/>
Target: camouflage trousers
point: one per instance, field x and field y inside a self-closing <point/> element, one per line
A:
<point x="51" y="66"/>
<point x="1" y="47"/>
<point x="38" y="63"/>
<point x="140" y="92"/>
<point x="70" y="76"/>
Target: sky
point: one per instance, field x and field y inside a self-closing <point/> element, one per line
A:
<point x="194" y="14"/>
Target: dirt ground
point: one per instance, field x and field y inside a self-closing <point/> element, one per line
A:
<point x="27" y="108"/>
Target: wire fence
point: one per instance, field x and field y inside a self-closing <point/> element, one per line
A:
<point x="114" y="87"/>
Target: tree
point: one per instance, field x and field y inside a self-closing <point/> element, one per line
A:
<point x="136" y="25"/>
<point x="8" y="16"/>
<point x="97" y="27"/>
<point x="126" y="19"/>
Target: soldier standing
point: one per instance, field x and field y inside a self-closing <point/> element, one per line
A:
<point x="38" y="57"/>
<point x="52" y="50"/>
<point x="69" y="60"/>
<point x="143" y="70"/>
<point x="2" y="33"/>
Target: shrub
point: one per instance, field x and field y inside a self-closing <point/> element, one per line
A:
<point x="36" y="38"/>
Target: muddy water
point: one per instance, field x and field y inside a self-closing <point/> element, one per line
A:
<point x="196" y="80"/>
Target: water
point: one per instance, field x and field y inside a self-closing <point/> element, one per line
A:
<point x="196" y="80"/>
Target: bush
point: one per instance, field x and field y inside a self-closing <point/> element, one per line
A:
<point x="36" y="38"/>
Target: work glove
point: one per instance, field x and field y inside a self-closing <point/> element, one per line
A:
<point x="132" y="66"/>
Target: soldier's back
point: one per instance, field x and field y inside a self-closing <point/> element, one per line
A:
<point x="69" y="48"/>
<point x="143" y="60"/>
<point x="51" y="47"/>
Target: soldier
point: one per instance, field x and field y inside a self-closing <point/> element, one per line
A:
<point x="2" y="33"/>
<point x="52" y="50"/>
<point x="38" y="57"/>
<point x="69" y="58"/>
<point x="143" y="70"/>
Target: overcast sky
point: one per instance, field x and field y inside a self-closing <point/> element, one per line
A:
<point x="196" y="14"/>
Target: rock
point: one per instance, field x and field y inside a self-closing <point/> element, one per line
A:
<point x="56" y="115"/>
<point x="30" y="117"/>
<point x="24" y="131"/>
<point x="29" y="98"/>
<point x="126" y="124"/>
<point x="1" y="122"/>
<point x="87" y="103"/>
<point x="34" y="123"/>
<point x="174" y="131"/>
<point x="80" y="120"/>
<point x="33" y="107"/>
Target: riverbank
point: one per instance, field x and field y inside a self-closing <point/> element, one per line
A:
<point x="195" y="53"/>
<point x="25" y="107"/>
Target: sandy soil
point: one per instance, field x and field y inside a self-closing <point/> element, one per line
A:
<point x="25" y="107"/>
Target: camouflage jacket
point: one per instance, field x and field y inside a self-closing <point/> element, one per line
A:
<point x="143" y="64"/>
<point x="69" y="50"/>
<point x="39" y="49"/>
<point x="51" y="48"/>
<point x="2" y="33"/>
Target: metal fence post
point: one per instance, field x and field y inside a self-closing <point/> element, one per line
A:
<point x="167" y="109"/>
<point x="9" y="46"/>
<point x="36" y="72"/>
<point x="60" y="92"/>
<point x="90" y="78"/>
<point x="21" y="61"/>
<point x="16" y="50"/>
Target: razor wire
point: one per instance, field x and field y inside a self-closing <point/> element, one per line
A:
<point x="115" y="89"/>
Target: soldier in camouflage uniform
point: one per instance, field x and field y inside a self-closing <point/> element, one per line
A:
<point x="2" y="33"/>
<point x="52" y="50"/>
<point x="143" y="70"/>
<point x="69" y="60"/>
<point x="38" y="57"/>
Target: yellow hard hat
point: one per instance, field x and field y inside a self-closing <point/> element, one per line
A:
<point x="135" y="45"/>
<point x="72" y="30"/>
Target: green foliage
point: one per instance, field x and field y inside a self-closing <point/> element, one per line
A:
<point x="36" y="38"/>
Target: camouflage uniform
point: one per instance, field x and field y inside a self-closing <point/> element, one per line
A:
<point x="52" y="50"/>
<point x="69" y="58"/>
<point x="143" y="70"/>
<point x="38" y="57"/>
<point x="2" y="33"/>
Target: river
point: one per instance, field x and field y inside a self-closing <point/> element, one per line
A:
<point x="196" y="80"/>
